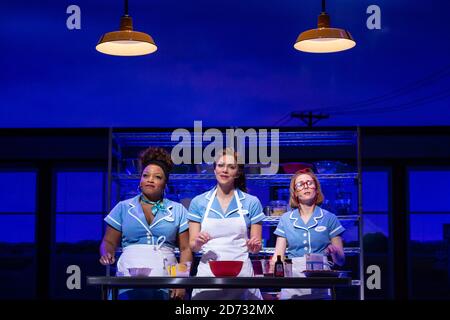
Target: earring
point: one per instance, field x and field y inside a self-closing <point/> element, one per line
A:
<point x="139" y="188"/>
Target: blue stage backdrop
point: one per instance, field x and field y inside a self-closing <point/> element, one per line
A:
<point x="228" y="63"/>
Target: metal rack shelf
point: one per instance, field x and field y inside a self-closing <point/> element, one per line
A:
<point x="306" y="138"/>
<point x="273" y="220"/>
<point x="347" y="251"/>
<point x="310" y="146"/>
<point x="270" y="177"/>
<point x="271" y="251"/>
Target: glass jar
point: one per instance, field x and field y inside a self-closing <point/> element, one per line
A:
<point x="278" y="207"/>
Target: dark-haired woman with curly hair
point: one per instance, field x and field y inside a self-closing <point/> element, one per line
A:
<point x="148" y="227"/>
<point x="219" y="222"/>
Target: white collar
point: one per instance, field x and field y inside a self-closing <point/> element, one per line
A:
<point x="168" y="217"/>
<point x="240" y="196"/>
<point x="240" y="193"/>
<point x="315" y="216"/>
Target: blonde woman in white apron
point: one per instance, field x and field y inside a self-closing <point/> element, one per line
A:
<point x="219" y="222"/>
<point x="148" y="227"/>
<point x="307" y="228"/>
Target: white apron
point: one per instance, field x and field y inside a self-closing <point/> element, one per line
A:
<point x="299" y="265"/>
<point x="156" y="257"/>
<point x="228" y="242"/>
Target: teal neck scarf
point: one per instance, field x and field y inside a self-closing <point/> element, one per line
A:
<point x="157" y="205"/>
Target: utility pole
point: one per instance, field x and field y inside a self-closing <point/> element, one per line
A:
<point x="309" y="118"/>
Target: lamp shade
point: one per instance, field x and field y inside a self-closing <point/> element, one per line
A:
<point x="324" y="40"/>
<point x="126" y="41"/>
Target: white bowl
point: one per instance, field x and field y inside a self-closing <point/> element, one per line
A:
<point x="139" y="272"/>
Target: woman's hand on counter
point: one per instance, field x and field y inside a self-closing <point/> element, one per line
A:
<point x="110" y="241"/>
<point x="177" y="294"/>
<point x="331" y="249"/>
<point x="336" y="251"/>
<point x="254" y="245"/>
<point x="107" y="259"/>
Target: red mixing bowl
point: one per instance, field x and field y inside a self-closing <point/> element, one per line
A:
<point x="226" y="268"/>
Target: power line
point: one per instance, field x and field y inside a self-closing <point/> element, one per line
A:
<point x="440" y="74"/>
<point x="287" y="116"/>
<point x="404" y="106"/>
<point x="366" y="106"/>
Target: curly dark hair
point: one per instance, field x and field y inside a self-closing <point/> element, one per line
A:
<point x="158" y="156"/>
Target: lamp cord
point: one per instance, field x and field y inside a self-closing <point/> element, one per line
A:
<point x="323" y="6"/>
<point x="126" y="7"/>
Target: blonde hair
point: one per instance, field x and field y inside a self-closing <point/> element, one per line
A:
<point x="293" y="200"/>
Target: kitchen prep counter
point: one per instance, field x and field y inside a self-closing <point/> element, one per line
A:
<point x="116" y="283"/>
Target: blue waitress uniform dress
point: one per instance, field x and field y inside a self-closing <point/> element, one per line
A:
<point x="312" y="237"/>
<point x="145" y="245"/>
<point x="229" y="233"/>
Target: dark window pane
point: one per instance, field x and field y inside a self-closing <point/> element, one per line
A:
<point x="376" y="235"/>
<point x="18" y="192"/>
<point x="429" y="250"/>
<point x="18" y="270"/>
<point x="80" y="192"/>
<point x="351" y="234"/>
<point x="428" y="227"/>
<point x="420" y="181"/>
<point x="376" y="223"/>
<point x="73" y="228"/>
<point x="17" y="228"/>
<point x="375" y="191"/>
<point x="17" y="256"/>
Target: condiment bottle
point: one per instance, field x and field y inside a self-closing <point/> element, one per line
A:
<point x="267" y="267"/>
<point x="288" y="267"/>
<point x="279" y="268"/>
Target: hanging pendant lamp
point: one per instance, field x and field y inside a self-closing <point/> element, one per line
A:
<point x="126" y="41"/>
<point x="324" y="39"/>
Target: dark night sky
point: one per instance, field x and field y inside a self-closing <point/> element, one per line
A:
<point x="228" y="63"/>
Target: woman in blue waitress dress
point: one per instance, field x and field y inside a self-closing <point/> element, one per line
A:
<point x="308" y="228"/>
<point x="148" y="227"/>
<point x="219" y="223"/>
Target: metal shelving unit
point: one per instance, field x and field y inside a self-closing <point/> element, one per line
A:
<point x="273" y="220"/>
<point x="270" y="251"/>
<point x="347" y="250"/>
<point x="298" y="138"/>
<point x="257" y="177"/>
<point x="126" y="144"/>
